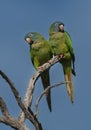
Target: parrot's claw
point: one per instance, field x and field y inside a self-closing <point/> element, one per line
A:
<point x="62" y="56"/>
<point x="40" y="68"/>
<point x="49" y="61"/>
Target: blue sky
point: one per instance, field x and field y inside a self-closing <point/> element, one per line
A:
<point x="22" y="16"/>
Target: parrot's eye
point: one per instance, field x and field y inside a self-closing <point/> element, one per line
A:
<point x="28" y="40"/>
<point x="61" y="27"/>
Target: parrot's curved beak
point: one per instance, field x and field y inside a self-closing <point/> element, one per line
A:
<point x="28" y="40"/>
<point x="61" y="28"/>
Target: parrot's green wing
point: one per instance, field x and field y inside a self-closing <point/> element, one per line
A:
<point x="69" y="44"/>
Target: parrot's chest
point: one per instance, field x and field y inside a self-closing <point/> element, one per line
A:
<point x="59" y="46"/>
<point x="36" y="47"/>
<point x="39" y="51"/>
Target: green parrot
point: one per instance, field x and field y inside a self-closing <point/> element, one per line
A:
<point x="40" y="53"/>
<point x="61" y="44"/>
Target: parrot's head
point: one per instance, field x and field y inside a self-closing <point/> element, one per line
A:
<point x="31" y="37"/>
<point x="56" y="27"/>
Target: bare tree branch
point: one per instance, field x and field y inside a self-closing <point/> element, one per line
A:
<point x="42" y="94"/>
<point x="29" y="95"/>
<point x="8" y="119"/>
<point x="27" y="113"/>
<point x="3" y="107"/>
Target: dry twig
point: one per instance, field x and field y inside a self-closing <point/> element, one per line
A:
<point x="28" y="113"/>
<point x="42" y="94"/>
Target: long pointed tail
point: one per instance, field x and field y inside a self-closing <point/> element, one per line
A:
<point x="46" y="82"/>
<point x="69" y="86"/>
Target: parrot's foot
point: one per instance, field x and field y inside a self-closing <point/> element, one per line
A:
<point x="62" y="56"/>
<point x="49" y="61"/>
<point x="40" y="68"/>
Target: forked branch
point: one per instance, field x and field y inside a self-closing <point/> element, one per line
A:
<point x="25" y="106"/>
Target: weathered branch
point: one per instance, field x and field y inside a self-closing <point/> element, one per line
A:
<point x="42" y="94"/>
<point x="3" y="107"/>
<point x="26" y="111"/>
<point x="29" y="95"/>
<point x="8" y="119"/>
<point x="28" y="114"/>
